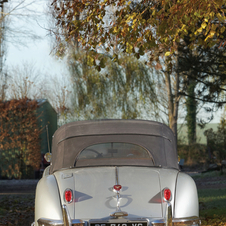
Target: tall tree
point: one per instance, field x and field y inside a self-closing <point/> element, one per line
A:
<point x="139" y="27"/>
<point x="191" y="106"/>
<point x="203" y="72"/>
<point x="121" y="91"/>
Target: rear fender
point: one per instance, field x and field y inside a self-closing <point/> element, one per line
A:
<point x="186" y="197"/>
<point x="47" y="200"/>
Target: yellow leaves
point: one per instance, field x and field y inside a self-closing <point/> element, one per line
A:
<point x="214" y="27"/>
<point x="198" y="31"/>
<point x="220" y="17"/>
<point x="186" y="18"/>
<point x="134" y="21"/>
<point x="131" y="17"/>
<point x="98" y="27"/>
<point x="211" y="34"/>
<point x="212" y="14"/>
<point x="203" y="25"/>
<point x="197" y="14"/>
<point x="134" y="25"/>
<point x="222" y="29"/>
<point x="167" y="53"/>
<point x="171" y="22"/>
<point x="215" y="220"/>
<point x="129" y="48"/>
<point x="90" y="60"/>
<point x="100" y="16"/>
<point x="184" y="29"/>
<point x="166" y="39"/>
<point x="115" y="30"/>
<point x="140" y="39"/>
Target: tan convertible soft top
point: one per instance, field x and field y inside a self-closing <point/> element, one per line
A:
<point x="69" y="140"/>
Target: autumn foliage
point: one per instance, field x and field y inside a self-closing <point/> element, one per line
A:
<point x="19" y="137"/>
<point x="145" y="24"/>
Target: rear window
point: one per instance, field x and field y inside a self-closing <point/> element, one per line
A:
<point x="114" y="150"/>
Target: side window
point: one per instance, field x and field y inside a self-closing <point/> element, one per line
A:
<point x="114" y="150"/>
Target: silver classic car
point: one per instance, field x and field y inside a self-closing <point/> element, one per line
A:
<point x="115" y="173"/>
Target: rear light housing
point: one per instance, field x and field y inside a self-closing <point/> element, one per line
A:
<point x="68" y="195"/>
<point x="167" y="194"/>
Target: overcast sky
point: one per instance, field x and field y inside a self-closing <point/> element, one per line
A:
<point x="37" y="52"/>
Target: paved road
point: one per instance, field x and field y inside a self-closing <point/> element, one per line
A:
<point x="17" y="186"/>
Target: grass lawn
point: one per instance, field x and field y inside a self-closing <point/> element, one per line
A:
<point x="212" y="202"/>
<point x="212" y="206"/>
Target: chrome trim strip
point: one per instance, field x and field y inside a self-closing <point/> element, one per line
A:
<point x="49" y="222"/>
<point x="66" y="216"/>
<point x="186" y="219"/>
<point x="169" y="215"/>
<point x="118" y="220"/>
<point x="118" y="209"/>
<point x="116" y="176"/>
<point x="194" y="221"/>
<point x="117" y="214"/>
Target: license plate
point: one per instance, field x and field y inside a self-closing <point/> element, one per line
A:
<point x="120" y="224"/>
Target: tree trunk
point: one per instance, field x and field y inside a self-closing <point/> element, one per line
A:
<point x="173" y="102"/>
<point x="191" y="112"/>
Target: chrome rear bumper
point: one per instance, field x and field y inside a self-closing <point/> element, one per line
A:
<point x="175" y="222"/>
<point x="191" y="221"/>
<point x="169" y="221"/>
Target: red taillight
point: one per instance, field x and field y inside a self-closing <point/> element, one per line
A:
<point x="167" y="194"/>
<point x="68" y="196"/>
<point x="117" y="187"/>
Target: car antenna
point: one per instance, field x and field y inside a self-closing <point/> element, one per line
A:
<point x="47" y="133"/>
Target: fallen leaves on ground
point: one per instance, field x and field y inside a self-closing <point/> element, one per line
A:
<point x="214" y="221"/>
<point x="16" y="210"/>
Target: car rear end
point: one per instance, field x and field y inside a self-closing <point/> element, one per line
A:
<point x="146" y="196"/>
<point x="115" y="173"/>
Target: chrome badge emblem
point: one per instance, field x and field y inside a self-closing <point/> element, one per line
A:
<point x="117" y="188"/>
